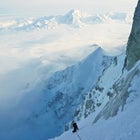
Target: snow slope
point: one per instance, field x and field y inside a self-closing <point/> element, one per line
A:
<point x="125" y="125"/>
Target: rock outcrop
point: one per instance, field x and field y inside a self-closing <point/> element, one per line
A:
<point x="133" y="46"/>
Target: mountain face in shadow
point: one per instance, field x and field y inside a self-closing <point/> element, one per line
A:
<point x="133" y="47"/>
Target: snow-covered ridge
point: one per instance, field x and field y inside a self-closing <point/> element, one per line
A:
<point x="75" y="18"/>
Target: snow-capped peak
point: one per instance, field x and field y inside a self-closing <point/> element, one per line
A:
<point x="72" y="17"/>
<point x="74" y="13"/>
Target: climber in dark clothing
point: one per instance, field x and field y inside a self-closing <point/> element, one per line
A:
<point x="75" y="127"/>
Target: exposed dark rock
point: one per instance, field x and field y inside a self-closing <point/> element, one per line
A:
<point x="133" y="46"/>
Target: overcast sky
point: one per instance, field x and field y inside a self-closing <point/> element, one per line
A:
<point x="46" y="7"/>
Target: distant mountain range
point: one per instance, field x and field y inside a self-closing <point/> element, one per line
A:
<point x="74" y="18"/>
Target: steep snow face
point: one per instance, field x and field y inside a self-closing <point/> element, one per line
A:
<point x="133" y="48"/>
<point x="107" y="98"/>
<point x="121" y="92"/>
<point x="125" y="125"/>
<point x="102" y="93"/>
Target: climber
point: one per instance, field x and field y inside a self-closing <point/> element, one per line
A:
<point x="75" y="127"/>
